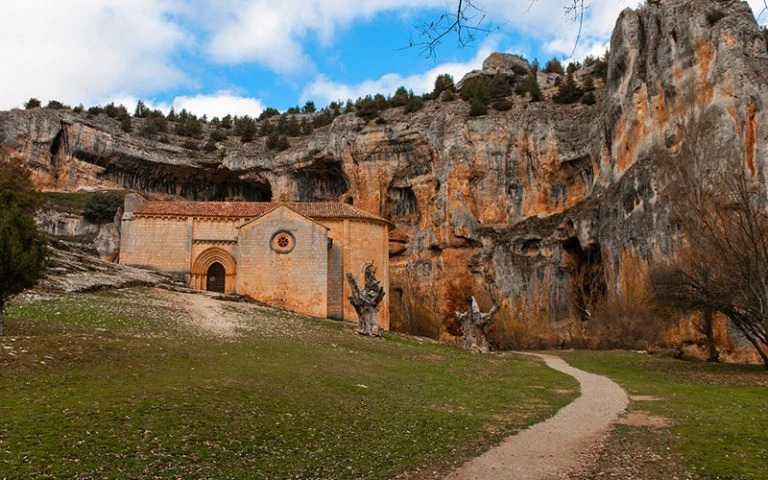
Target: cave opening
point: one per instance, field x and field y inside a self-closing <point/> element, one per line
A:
<point x="57" y="143"/>
<point x="587" y="287"/>
<point x="401" y="203"/>
<point x="324" y="181"/>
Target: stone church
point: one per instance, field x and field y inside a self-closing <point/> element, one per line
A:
<point x="291" y="255"/>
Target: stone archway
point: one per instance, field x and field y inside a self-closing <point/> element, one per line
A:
<point x="217" y="263"/>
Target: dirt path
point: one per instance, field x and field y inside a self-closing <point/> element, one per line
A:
<point x="554" y="448"/>
<point x="204" y="313"/>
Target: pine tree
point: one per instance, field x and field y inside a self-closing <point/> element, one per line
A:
<point x="22" y="247"/>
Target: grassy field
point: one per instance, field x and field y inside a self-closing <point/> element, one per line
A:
<point x="127" y="384"/>
<point x="716" y="416"/>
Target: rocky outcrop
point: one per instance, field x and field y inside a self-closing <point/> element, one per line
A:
<point x="508" y="205"/>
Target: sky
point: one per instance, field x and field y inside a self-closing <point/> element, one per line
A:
<point x="240" y="56"/>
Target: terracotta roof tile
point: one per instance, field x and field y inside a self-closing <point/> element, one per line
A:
<point x="315" y="210"/>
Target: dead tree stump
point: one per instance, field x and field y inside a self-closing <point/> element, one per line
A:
<point x="474" y="326"/>
<point x="367" y="301"/>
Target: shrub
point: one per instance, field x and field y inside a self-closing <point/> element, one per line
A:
<point x="589" y="84"/>
<point x="154" y="125"/>
<point x="102" y="207"/>
<point x="499" y="86"/>
<point x="308" y="107"/>
<point x="448" y="96"/>
<point x="277" y="142"/>
<point x="188" y="125"/>
<point x="226" y="121"/>
<point x="568" y="91"/>
<point x="78" y="109"/>
<point x="268" y="112"/>
<point x="218" y="135"/>
<point x="519" y="70"/>
<point x="477" y="88"/>
<point x="190" y="145"/>
<point x="554" y="66"/>
<point x="55" y="105"/>
<point x="414" y="105"/>
<point x="589" y="99"/>
<point x="125" y="123"/>
<point x="32" y="103"/>
<point x="401" y="97"/>
<point x="245" y="128"/>
<point x="142" y="111"/>
<point x="502" y="105"/>
<point x="172" y="117"/>
<point x="600" y="65"/>
<point x="443" y="83"/>
<point x="210" y="145"/>
<point x="366" y="108"/>
<point x="477" y="108"/>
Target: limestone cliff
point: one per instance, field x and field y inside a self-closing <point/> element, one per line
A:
<point x="505" y="204"/>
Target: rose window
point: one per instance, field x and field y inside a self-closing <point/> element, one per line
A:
<point x="283" y="242"/>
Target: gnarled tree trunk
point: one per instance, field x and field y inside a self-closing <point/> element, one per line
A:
<point x="367" y="301"/>
<point x="474" y="326"/>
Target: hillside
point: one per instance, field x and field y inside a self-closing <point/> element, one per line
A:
<point x="508" y="205"/>
<point x="150" y="383"/>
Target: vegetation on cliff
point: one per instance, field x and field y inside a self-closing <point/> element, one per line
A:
<point x="22" y="247"/>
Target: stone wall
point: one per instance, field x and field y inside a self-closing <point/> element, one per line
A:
<point x="163" y="244"/>
<point x="361" y="242"/>
<point x="295" y="280"/>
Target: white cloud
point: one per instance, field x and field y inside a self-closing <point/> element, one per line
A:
<point x="323" y="90"/>
<point x="273" y="33"/>
<point x="82" y="50"/>
<point x="760" y="9"/>
<point x="219" y="105"/>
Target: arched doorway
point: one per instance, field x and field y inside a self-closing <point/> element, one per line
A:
<point x="216" y="278"/>
<point x="214" y="270"/>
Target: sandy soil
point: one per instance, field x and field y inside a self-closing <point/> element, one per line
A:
<point x="556" y="447"/>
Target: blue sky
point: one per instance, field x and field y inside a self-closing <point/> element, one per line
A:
<point x="240" y="56"/>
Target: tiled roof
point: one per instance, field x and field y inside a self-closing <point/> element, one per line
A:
<point x="314" y="210"/>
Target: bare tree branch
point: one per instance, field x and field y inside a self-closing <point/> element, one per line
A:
<point x="468" y="20"/>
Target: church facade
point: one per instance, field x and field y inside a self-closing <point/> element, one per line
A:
<point x="291" y="255"/>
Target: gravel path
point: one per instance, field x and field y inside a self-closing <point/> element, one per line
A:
<point x="556" y="447"/>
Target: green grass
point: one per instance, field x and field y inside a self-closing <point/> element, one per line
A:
<point x="120" y="385"/>
<point x="719" y="416"/>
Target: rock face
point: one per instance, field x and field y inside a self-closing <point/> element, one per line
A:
<point x="506" y="206"/>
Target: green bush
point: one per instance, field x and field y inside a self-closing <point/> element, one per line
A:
<point x="32" y="103"/>
<point x="308" y="107"/>
<point x="448" y="96"/>
<point x="589" y="99"/>
<point x="277" y="142"/>
<point x="102" y="207"/>
<point x="154" y="125"/>
<point x="443" y="83"/>
<point x="414" y="105"/>
<point x="502" y="105"/>
<point x="477" y="88"/>
<point x="268" y="112"/>
<point x="554" y="66"/>
<point x="188" y="125"/>
<point x="218" y="135"/>
<point x="55" y="105"/>
<point x="477" y="108"/>
<point x="125" y="123"/>
<point x="568" y="91"/>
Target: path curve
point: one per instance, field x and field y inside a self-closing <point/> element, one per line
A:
<point x="558" y="446"/>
